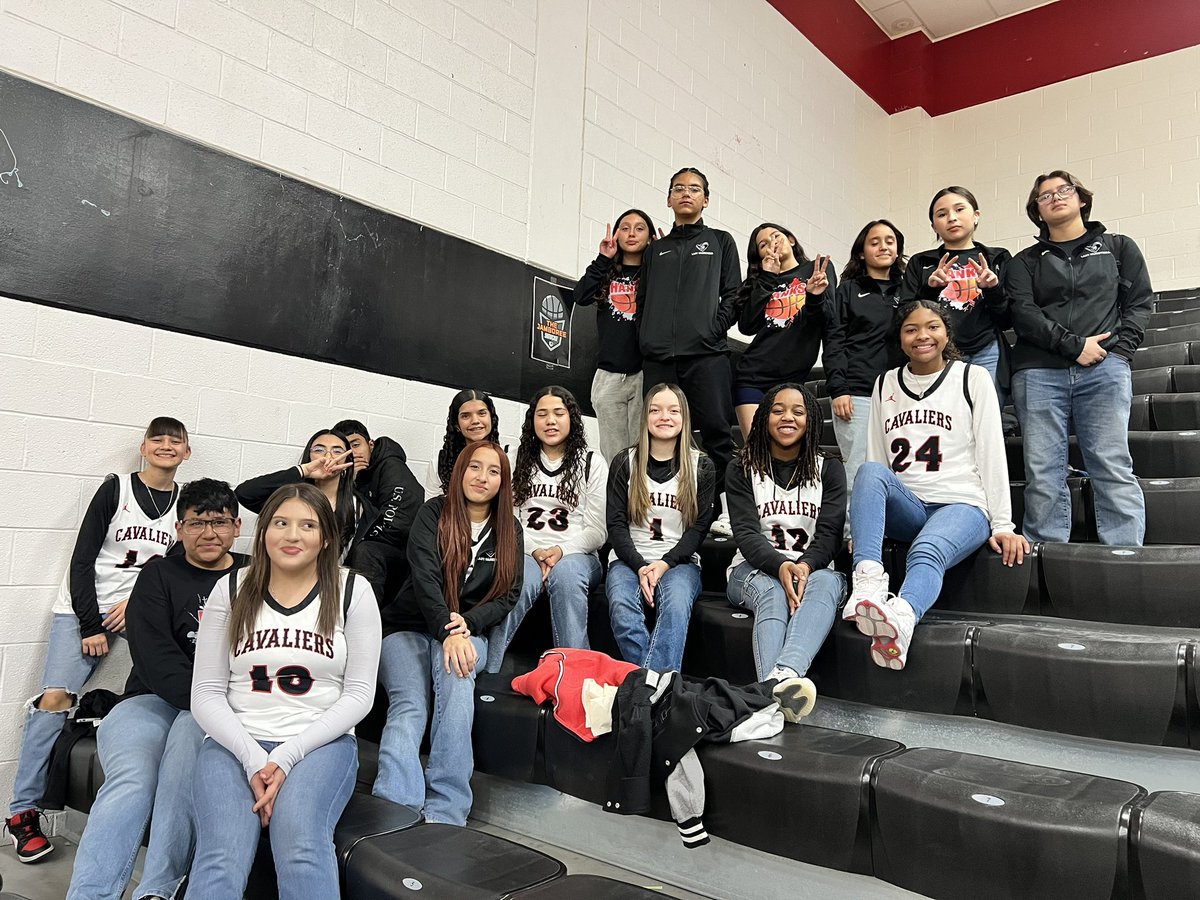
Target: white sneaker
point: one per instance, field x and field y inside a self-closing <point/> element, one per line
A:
<point x="721" y="526"/>
<point x="870" y="583"/>
<point x="796" y="698"/>
<point x="890" y="622"/>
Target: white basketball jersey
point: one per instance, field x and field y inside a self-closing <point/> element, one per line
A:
<point x="787" y="518"/>
<point x="545" y="519"/>
<point x="664" y="526"/>
<point x="132" y="540"/>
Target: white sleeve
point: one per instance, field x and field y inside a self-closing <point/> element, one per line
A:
<point x="364" y="634"/>
<point x="990" y="457"/>
<point x="433" y="484"/>
<point x="875" y="446"/>
<point x="593" y="497"/>
<point x="210" y="685"/>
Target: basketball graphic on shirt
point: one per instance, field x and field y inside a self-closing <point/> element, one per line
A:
<point x="785" y="303"/>
<point x="963" y="288"/>
<point x="622" y="299"/>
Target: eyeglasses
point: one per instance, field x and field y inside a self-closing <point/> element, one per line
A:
<point x="680" y="189"/>
<point x="1062" y="192"/>
<point x="197" y="526"/>
<point x="323" y="451"/>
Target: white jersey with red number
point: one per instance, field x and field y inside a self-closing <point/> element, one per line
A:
<point x="787" y="517"/>
<point x="663" y="529"/>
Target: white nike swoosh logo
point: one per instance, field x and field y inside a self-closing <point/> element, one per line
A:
<point x="926" y="268"/>
<point x="867" y="294"/>
<point x="663" y="252"/>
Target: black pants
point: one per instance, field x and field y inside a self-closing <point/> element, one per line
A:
<point x="384" y="566"/>
<point x="707" y="382"/>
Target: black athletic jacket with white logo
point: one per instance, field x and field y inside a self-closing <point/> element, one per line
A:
<point x="689" y="292"/>
<point x="977" y="316"/>
<point x="616" y="297"/>
<point x="858" y="343"/>
<point x="1058" y="300"/>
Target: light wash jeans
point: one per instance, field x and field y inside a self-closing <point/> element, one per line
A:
<point x="307" y="808"/>
<point x="412" y="672"/>
<point x="148" y="750"/>
<point x="1097" y="399"/>
<point x="781" y="637"/>
<point x="618" y="401"/>
<point x="67" y="669"/>
<point x="570" y="582"/>
<point x="941" y="534"/>
<point x="661" y="649"/>
<point x="852" y="437"/>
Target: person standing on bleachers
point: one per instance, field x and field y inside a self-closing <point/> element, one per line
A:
<point x="148" y="743"/>
<point x="1080" y="301"/>
<point x="787" y="503"/>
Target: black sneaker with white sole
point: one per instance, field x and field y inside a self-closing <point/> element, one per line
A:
<point x="26" y="832"/>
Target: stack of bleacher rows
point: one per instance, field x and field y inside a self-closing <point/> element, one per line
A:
<point x="1082" y="639"/>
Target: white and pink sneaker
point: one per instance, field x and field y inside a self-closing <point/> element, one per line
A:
<point x="890" y="622"/>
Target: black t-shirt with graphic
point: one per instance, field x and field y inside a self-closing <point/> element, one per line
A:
<point x="787" y="323"/>
<point x="614" y="291"/>
<point x="976" y="315"/>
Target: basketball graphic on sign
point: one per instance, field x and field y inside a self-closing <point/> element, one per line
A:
<point x="552" y="319"/>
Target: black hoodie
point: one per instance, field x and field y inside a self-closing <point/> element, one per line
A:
<point x="976" y="315"/>
<point x="393" y="490"/>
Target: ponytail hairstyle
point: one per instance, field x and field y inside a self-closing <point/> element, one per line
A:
<point x="856" y="267"/>
<point x="254" y="584"/>
<point x="454" y="529"/>
<point x="453" y="442"/>
<point x="755" y="455"/>
<point x="574" y="455"/>
<point x="346" y="514"/>
<point x="638" y="507"/>
<point x="949" y="352"/>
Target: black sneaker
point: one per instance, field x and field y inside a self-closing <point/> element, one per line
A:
<point x="26" y="832"/>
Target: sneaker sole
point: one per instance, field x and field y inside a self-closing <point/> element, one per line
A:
<point x="796" y="698"/>
<point x="872" y="621"/>
<point x="886" y="655"/>
<point x="32" y="857"/>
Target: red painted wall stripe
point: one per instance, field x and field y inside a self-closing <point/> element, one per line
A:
<point x="1031" y="50"/>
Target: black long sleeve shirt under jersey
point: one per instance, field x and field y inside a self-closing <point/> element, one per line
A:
<point x="161" y="623"/>
<point x="689" y="292"/>
<point x="393" y="490"/>
<point x="977" y="315"/>
<point x="92" y="532"/>
<point x="660" y="471"/>
<point x="615" y="294"/>
<point x="859" y="346"/>
<point x="787" y="323"/>
<point x="747" y="529"/>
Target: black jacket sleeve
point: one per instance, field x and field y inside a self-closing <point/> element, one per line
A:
<point x="593" y="282"/>
<point x="834" y="351"/>
<point x="400" y="496"/>
<point x="831" y="522"/>
<point x="254" y="493"/>
<point x="912" y="285"/>
<point x="706" y="494"/>
<point x="428" y="580"/>
<point x="617" y="514"/>
<point x="1029" y="320"/>
<point x="995" y="299"/>
<point x="160" y="662"/>
<point x="750" y="316"/>
<point x="483" y="616"/>
<point x="1135" y="298"/>
<point x="731" y="284"/>
<point x="747" y="528"/>
<point x="92" y="532"/>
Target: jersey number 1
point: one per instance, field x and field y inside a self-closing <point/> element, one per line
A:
<point x="928" y="453"/>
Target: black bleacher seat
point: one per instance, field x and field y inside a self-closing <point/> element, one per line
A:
<point x="1139" y="413"/>
<point x="1159" y="380"/>
<point x="1156" y="454"/>
<point x="719" y="641"/>
<point x="507" y="729"/>
<point x="1175" y="412"/>
<point x="1172" y="510"/>
<point x="954" y="825"/>
<point x="1165" y="847"/>
<point x="1185" y="378"/>
<point x="1083" y="525"/>
<point x="716" y="553"/>
<point x="1157" y="337"/>
<point x="589" y="887"/>
<point x="818" y="388"/>
<point x="1169" y="318"/>
<point x="1148" y="357"/>
<point x="981" y="583"/>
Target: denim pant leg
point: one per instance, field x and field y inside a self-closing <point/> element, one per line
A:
<point x="404" y="661"/>
<point x="130" y="741"/>
<point x="569" y="585"/>
<point x="1103" y="394"/>
<point x="448" y="794"/>
<point x="952" y="533"/>
<point x="881" y="505"/>
<point x="987" y="358"/>
<point x="852" y="437"/>
<point x="173" y="822"/>
<point x="626" y="613"/>
<point x="1043" y="401"/>
<point x="810" y="624"/>
<point x="673" y="600"/>
<point x="66" y="669"/>
<point x="308" y="807"/>
<point x="763" y="595"/>
<point x="227" y="831"/>
<point x="501" y="634"/>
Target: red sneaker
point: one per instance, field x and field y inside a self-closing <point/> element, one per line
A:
<point x="26" y="832"/>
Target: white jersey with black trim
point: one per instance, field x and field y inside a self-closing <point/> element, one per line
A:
<point x="654" y="538"/>
<point x="548" y="522"/>
<point x="787" y="516"/>
<point x="132" y="540"/>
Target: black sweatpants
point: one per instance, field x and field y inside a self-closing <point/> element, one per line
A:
<point x="383" y="565"/>
<point x="707" y="382"/>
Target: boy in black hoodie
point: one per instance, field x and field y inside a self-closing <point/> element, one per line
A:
<point x="688" y="297"/>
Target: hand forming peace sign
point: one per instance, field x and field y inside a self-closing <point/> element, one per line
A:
<point x="817" y="282"/>
<point x="987" y="278"/>
<point x="770" y="257"/>
<point x="608" y="246"/>
<point x="328" y="466"/>
<point x="941" y="276"/>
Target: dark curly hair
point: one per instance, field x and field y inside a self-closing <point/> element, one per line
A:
<point x="453" y="442"/>
<point x="574" y="455"/>
<point x="950" y="351"/>
<point x="755" y="455"/>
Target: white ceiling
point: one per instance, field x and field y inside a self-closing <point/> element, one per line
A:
<point x="941" y="18"/>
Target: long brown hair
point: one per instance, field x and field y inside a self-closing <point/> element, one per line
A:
<point x="255" y="583"/>
<point x="454" y="528"/>
<point x="638" y="507"/>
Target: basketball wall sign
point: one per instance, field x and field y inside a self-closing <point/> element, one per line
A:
<point x="552" y="312"/>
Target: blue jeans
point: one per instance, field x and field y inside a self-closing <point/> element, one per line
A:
<point x="148" y="751"/>
<point x="781" y="637"/>
<point x="568" y="586"/>
<point x="661" y="649"/>
<point x="942" y="534"/>
<point x="852" y="437"/>
<point x="1097" y="399"/>
<point x="67" y="669"/>
<point x="411" y="669"/>
<point x="307" y="808"/>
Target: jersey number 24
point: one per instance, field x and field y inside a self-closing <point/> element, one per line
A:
<point x="928" y="453"/>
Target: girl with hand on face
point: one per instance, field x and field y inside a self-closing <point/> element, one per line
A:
<point x="611" y="282"/>
<point x="660" y="504"/>
<point x="466" y="557"/>
<point x="965" y="277"/>
<point x="286" y="663"/>
<point x="787" y="502"/>
<point x="858" y="334"/>
<point x="471" y="418"/>
<point x="936" y="476"/>
<point x="784" y="312"/>
<point x="559" y="493"/>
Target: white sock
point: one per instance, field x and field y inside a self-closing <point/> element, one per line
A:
<point x="782" y="673"/>
<point x="869" y="567"/>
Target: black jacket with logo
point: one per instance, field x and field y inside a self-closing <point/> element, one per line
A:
<point x="858" y="340"/>
<point x="1058" y="300"/>
<point x="689" y="292"/>
<point x="616" y="319"/>
<point x="393" y="490"/>
<point x="977" y="316"/>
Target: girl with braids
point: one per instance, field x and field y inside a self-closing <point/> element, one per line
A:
<point x="936" y="476"/>
<point x="787" y="504"/>
<point x="660" y="504"/>
<point x="286" y="662"/>
<point x="611" y="282"/>
<point x="465" y="553"/>
<point x="471" y="418"/>
<point x="328" y="464"/>
<point x="559" y="496"/>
